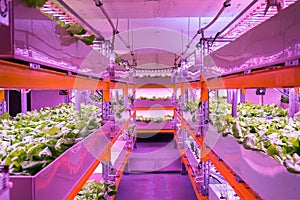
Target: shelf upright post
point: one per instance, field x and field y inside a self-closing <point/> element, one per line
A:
<point x="183" y="100"/>
<point x="243" y="95"/>
<point x="203" y="103"/>
<point x="77" y="99"/>
<point x="182" y="132"/>
<point x="23" y="101"/>
<point x="106" y="102"/>
<point x="204" y="175"/>
<point x="292" y="102"/>
<point x="243" y="90"/>
<point x="234" y="102"/>
<point x="126" y="101"/>
<point x="106" y="165"/>
<point x="175" y="121"/>
<point x="216" y="94"/>
<point x="133" y="96"/>
<point x="174" y="94"/>
<point x="204" y="164"/>
<point x="229" y="96"/>
<point x="117" y="96"/>
<point x="2" y="102"/>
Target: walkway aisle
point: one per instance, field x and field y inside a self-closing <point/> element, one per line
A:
<point x="154" y="172"/>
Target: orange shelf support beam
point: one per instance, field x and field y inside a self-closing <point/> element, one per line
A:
<point x="155" y="86"/>
<point x="115" y="85"/>
<point x="13" y="75"/>
<point x="156" y="108"/>
<point x="155" y="131"/>
<point x="270" y="78"/>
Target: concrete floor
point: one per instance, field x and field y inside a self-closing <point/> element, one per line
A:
<point x="154" y="172"/>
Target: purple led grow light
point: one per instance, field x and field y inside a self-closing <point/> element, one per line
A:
<point x="255" y="18"/>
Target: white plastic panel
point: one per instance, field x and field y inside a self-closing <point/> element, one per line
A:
<point x="267" y="177"/>
<point x="273" y="41"/>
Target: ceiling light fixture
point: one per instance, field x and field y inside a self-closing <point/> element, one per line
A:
<point x="256" y="17"/>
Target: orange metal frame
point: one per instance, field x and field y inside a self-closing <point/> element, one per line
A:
<point x="189" y="170"/>
<point x="156" y="131"/>
<point x="2" y="95"/>
<point x="104" y="155"/>
<point x="270" y="78"/>
<point x="20" y="76"/>
<point x="156" y="108"/>
<point x="154" y="86"/>
<point x="84" y="179"/>
<point x="242" y="189"/>
<point x="194" y="85"/>
<point x="120" y="171"/>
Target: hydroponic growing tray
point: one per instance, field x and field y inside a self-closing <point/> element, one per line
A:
<point x="152" y="103"/>
<point x="267" y="177"/>
<point x="59" y="178"/>
<point x="159" y="81"/>
<point x="154" y="125"/>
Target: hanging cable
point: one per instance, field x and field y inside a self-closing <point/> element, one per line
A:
<point x="99" y="4"/>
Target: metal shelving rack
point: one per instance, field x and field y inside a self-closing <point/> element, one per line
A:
<point x="14" y="75"/>
<point x="20" y="76"/>
<point x="149" y="105"/>
<point x="281" y="73"/>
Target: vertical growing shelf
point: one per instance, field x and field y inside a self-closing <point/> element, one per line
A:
<point x="154" y="108"/>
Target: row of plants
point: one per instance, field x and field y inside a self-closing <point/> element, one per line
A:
<point x="153" y="98"/>
<point x="97" y="190"/>
<point x="119" y="109"/>
<point x="151" y="76"/>
<point x="165" y="118"/>
<point x="96" y="97"/>
<point x="284" y="99"/>
<point x="191" y="106"/>
<point x="189" y="109"/>
<point x="33" y="140"/>
<point x="119" y="100"/>
<point x="261" y="128"/>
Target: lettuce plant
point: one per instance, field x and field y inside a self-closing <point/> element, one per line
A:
<point x="96" y="190"/>
<point x="33" y="140"/>
<point x="261" y="128"/>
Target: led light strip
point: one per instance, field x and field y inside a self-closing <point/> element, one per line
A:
<point x="253" y="19"/>
<point x="50" y="9"/>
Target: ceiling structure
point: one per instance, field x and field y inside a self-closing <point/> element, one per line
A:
<point x="156" y="30"/>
